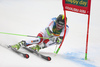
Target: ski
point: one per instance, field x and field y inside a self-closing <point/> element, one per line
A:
<point x="16" y="51"/>
<point x="38" y="54"/>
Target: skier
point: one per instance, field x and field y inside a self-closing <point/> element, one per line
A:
<point x="51" y="35"/>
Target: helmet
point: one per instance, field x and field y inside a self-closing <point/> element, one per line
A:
<point x="61" y="20"/>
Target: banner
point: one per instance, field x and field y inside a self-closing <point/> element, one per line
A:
<point x="79" y="6"/>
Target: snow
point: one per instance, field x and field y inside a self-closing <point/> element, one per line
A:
<point x="28" y="17"/>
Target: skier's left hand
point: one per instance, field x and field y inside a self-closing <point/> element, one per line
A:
<point x="58" y="40"/>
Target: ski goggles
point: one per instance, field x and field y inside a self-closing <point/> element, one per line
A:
<point x="61" y="23"/>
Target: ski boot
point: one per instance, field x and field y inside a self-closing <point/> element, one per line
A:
<point x="37" y="48"/>
<point x="17" y="46"/>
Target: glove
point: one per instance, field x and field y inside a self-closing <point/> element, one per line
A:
<point x="58" y="40"/>
<point x="51" y="35"/>
<point x="53" y="39"/>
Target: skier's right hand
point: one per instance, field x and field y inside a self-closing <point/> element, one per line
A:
<point x="52" y="38"/>
<point x="51" y="35"/>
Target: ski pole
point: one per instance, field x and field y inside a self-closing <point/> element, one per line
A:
<point x="22" y="35"/>
<point x="64" y="33"/>
<point x="55" y="49"/>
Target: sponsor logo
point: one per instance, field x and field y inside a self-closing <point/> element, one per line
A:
<point x="77" y="2"/>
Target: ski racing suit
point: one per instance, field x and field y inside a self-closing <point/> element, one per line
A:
<point x="50" y="29"/>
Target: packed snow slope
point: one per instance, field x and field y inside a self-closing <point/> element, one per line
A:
<point x="28" y="17"/>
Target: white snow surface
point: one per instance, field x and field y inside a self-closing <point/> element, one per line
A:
<point x="28" y="17"/>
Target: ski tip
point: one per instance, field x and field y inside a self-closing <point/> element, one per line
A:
<point x="26" y="55"/>
<point x="49" y="58"/>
